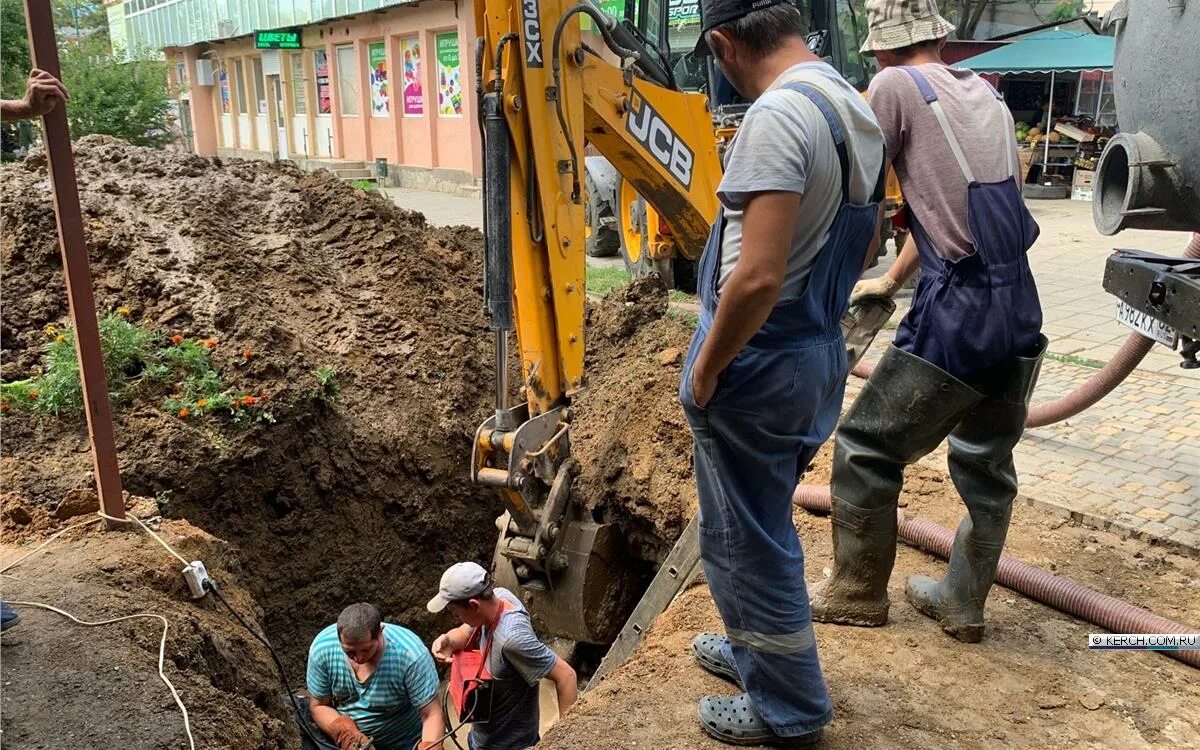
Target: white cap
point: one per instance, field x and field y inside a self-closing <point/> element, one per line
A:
<point x="461" y="581"/>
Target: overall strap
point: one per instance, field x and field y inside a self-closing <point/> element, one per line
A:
<point x="835" y="127"/>
<point x="1012" y="156"/>
<point x="940" y="115"/>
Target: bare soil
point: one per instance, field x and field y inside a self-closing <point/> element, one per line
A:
<point x="1031" y="683"/>
<point x="66" y="685"/>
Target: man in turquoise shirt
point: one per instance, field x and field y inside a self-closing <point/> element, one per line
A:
<point x="368" y="679"/>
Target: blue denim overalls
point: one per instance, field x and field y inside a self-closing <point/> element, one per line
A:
<point x="980" y="311"/>
<point x="773" y="407"/>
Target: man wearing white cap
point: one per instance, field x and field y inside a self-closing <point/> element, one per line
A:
<point x="967" y="354"/>
<point x="516" y="659"/>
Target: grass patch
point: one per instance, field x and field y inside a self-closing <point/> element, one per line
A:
<point x="602" y="280"/>
<point x="1071" y="359"/>
<point x="368" y="185"/>
<point x="689" y="319"/>
<point x="677" y="296"/>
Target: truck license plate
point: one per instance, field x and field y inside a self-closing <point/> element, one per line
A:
<point x="1146" y="325"/>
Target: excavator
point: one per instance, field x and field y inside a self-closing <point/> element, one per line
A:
<point x="556" y="77"/>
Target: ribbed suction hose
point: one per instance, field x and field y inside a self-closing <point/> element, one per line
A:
<point x="1062" y="594"/>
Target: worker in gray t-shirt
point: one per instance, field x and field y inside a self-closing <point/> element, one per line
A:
<point x="516" y="659"/>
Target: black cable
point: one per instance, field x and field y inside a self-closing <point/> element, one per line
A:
<point x="211" y="586"/>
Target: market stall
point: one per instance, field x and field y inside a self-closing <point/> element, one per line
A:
<point x="1063" y="129"/>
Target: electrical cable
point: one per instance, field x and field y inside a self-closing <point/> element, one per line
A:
<point x="162" y="649"/>
<point x="43" y="545"/>
<point x="149" y="531"/>
<point x="211" y="587"/>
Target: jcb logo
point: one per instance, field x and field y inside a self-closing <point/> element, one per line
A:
<point x="532" y="26"/>
<point x="648" y="127"/>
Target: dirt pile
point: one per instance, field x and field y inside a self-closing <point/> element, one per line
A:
<point x="1030" y="683"/>
<point x="628" y="430"/>
<point x="92" y="687"/>
<point x="365" y="499"/>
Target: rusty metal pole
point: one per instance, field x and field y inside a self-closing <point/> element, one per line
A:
<point x="44" y="51"/>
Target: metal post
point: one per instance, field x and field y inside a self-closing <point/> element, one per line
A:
<point x="1046" y="135"/>
<point x="61" y="162"/>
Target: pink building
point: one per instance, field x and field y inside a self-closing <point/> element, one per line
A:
<point x="396" y="83"/>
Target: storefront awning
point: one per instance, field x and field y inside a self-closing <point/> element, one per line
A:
<point x="1057" y="51"/>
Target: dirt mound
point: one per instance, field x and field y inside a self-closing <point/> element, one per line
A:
<point x="1031" y="683"/>
<point x="66" y="685"/>
<point x="366" y="499"/>
<point x="628" y="430"/>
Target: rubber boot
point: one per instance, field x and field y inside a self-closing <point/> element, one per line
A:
<point x="906" y="408"/>
<point x="981" y="465"/>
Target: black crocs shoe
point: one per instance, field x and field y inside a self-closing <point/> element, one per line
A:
<point x="734" y="721"/>
<point x="714" y="653"/>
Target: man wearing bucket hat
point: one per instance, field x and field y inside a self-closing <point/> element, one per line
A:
<point x="763" y="381"/>
<point x="966" y="357"/>
<point x="516" y="659"/>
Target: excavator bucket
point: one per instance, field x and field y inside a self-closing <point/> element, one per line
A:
<point x="590" y="594"/>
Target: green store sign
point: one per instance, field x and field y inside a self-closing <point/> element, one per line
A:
<point x="278" y="39"/>
<point x="679" y="12"/>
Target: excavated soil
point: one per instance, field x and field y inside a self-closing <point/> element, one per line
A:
<point x="365" y="499"/>
<point x="1031" y="683"/>
<point x="70" y="686"/>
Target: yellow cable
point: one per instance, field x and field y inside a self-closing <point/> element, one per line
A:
<point x="162" y="648"/>
<point x="149" y="531"/>
<point x="42" y="546"/>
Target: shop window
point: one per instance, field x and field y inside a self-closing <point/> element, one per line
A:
<point x="321" y="69"/>
<point x="239" y="83"/>
<point x="260" y="90"/>
<point x="223" y="79"/>
<point x="449" y="83"/>
<point x="299" y="86"/>
<point x="377" y="77"/>
<point x="347" y="75"/>
<point x="414" y="96"/>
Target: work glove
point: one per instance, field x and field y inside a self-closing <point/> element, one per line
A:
<point x="881" y="288"/>
<point x="345" y="733"/>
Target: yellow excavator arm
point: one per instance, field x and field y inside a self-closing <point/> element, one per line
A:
<point x="547" y="91"/>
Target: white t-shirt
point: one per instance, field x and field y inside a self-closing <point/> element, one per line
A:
<point x="784" y="144"/>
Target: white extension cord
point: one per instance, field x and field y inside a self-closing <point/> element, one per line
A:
<point x="194" y="574"/>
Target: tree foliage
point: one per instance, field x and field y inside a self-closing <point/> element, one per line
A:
<point x="112" y="93"/>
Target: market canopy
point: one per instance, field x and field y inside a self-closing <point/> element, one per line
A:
<point x="1057" y="51"/>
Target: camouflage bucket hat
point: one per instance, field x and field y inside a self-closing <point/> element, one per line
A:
<point x="899" y="23"/>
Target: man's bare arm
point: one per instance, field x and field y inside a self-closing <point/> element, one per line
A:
<point x="768" y="226"/>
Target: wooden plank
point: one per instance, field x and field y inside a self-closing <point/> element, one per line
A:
<point x="61" y="165"/>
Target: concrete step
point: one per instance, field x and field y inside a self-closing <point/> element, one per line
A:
<point x="355" y="174"/>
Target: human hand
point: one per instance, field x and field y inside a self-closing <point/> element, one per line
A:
<point x="442" y="650"/>
<point x="881" y="288"/>
<point x="43" y="92"/>
<point x="703" y="386"/>
<point x="345" y="733"/>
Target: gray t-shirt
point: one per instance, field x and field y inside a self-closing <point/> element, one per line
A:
<point x="784" y="144"/>
<point x="930" y="178"/>
<point x="518" y="661"/>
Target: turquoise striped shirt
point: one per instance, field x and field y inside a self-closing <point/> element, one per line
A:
<point x="386" y="706"/>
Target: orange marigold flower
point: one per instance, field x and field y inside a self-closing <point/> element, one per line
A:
<point x="33" y="395"/>
<point x="60" y="338"/>
<point x="184" y="412"/>
<point x="49" y="329"/>
<point x="202" y="403"/>
<point x="249" y="400"/>
<point x="210" y="343"/>
<point x="247" y="354"/>
<point x="5" y="406"/>
<point x="177" y="339"/>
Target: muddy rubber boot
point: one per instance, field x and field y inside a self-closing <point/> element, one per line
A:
<point x="905" y="409"/>
<point x="981" y="466"/>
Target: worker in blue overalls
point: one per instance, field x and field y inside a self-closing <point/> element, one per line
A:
<point x="764" y="378"/>
<point x="965" y="358"/>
